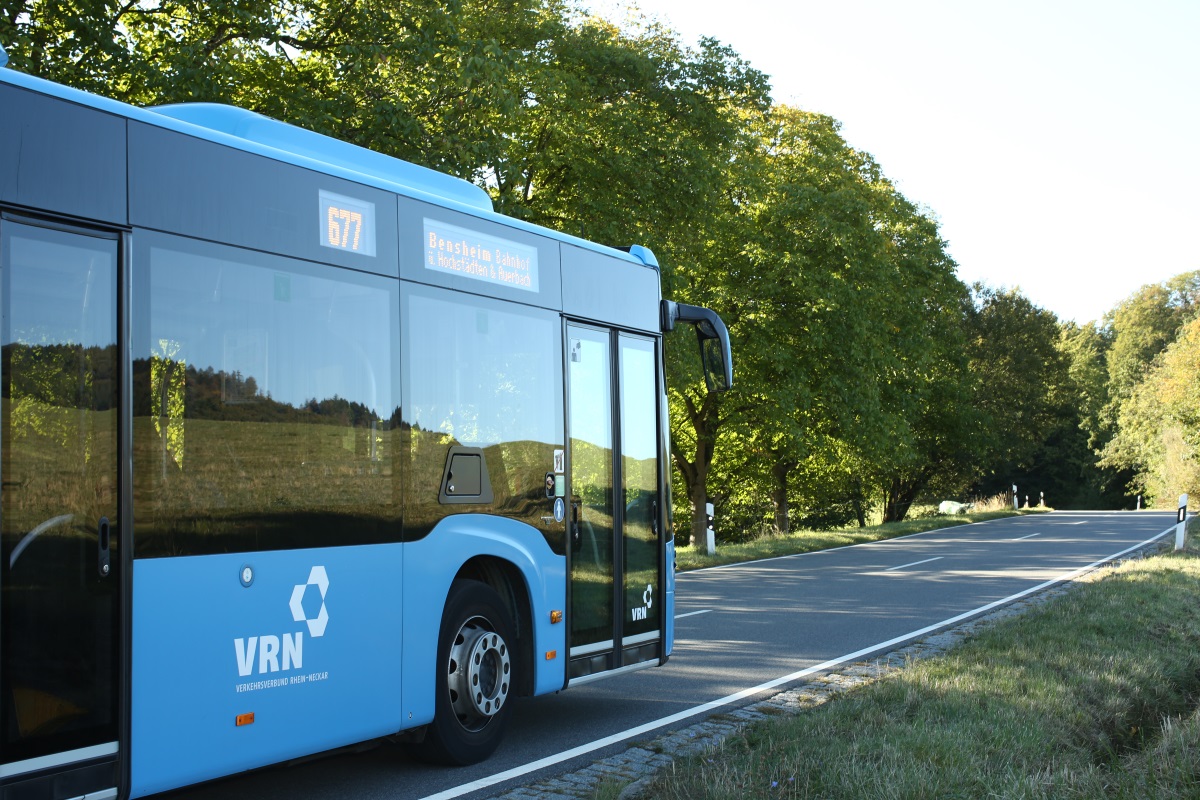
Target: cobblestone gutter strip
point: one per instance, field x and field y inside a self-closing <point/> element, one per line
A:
<point x="636" y="766"/>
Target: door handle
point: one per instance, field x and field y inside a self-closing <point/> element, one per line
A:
<point x="103" y="536"/>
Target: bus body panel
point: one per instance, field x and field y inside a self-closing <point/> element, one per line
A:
<point x="669" y="609"/>
<point x="219" y="637"/>
<point x="254" y="127"/>
<point x="430" y="568"/>
<point x="598" y="287"/>
<point x="192" y="187"/>
<point x="62" y="156"/>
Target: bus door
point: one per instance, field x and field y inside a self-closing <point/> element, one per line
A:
<point x="616" y="554"/>
<point x="59" y="565"/>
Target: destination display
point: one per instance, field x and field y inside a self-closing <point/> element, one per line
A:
<point x="347" y="224"/>
<point x="449" y="248"/>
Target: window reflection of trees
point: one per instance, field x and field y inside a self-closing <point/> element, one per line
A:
<point x="263" y="411"/>
<point x="483" y="374"/>
<point x="639" y="473"/>
<point x="59" y="435"/>
<point x="592" y="566"/>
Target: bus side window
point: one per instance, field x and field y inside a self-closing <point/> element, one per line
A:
<point x="264" y="403"/>
<point x="502" y="399"/>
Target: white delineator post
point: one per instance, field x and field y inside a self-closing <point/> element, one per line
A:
<point x="711" y="534"/>
<point x="1181" y="529"/>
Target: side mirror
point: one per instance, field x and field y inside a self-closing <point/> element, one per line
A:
<point x="715" y="353"/>
<point x="718" y="371"/>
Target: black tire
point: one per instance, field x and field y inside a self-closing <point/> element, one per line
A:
<point x="475" y="677"/>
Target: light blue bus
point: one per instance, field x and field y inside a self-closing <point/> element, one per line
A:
<point x="303" y="445"/>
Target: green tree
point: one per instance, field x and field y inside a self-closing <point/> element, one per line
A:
<point x="814" y="320"/>
<point x="1141" y="327"/>
<point x="625" y="136"/>
<point x="810" y="254"/>
<point x="1080" y="480"/>
<point x="1158" y="433"/>
<point x="1022" y="378"/>
<point x="928" y="420"/>
<point x="1138" y="329"/>
<point x="1086" y="349"/>
<point x="431" y="82"/>
<point x="85" y="44"/>
<point x="934" y="422"/>
<point x="845" y="312"/>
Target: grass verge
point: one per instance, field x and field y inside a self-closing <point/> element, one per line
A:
<point x="1092" y="695"/>
<point x="694" y="557"/>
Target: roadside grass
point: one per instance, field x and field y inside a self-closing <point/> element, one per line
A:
<point x="694" y="556"/>
<point x="1093" y="694"/>
<point x="609" y="790"/>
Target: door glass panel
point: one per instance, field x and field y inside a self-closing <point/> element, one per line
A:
<point x="639" y="478"/>
<point x="59" y="436"/>
<point x="591" y="443"/>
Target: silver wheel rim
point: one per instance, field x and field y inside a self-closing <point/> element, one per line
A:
<point x="479" y="674"/>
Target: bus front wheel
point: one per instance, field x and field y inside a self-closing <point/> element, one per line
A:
<point x="474" y="679"/>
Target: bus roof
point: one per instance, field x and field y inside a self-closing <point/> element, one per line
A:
<point x="254" y="133"/>
<point x="254" y="127"/>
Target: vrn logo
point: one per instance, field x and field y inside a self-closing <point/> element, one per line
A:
<point x="647" y="598"/>
<point x="285" y="652"/>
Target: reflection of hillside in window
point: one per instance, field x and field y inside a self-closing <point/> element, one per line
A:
<point x="275" y="378"/>
<point x="481" y="373"/>
<point x="299" y="337"/>
<point x="59" y="356"/>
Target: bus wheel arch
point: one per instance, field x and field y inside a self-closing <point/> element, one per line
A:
<point x="508" y="582"/>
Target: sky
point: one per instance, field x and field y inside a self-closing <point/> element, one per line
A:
<point x="1055" y="141"/>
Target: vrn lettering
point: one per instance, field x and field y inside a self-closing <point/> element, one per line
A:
<point x="271" y="650"/>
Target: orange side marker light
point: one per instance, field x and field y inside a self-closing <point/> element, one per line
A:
<point x="245" y="719"/>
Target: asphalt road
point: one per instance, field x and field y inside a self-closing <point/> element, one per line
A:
<point x="741" y="630"/>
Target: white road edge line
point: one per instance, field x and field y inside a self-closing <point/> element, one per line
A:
<point x="584" y="749"/>
<point x="693" y="613"/>
<point x="915" y="563"/>
<point x="1023" y="538"/>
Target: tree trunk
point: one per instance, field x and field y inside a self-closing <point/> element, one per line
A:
<point x="779" y="494"/>
<point x="896" y="503"/>
<point x="860" y="506"/>
<point x="705" y="421"/>
<point x="900" y="494"/>
<point x="698" y="494"/>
